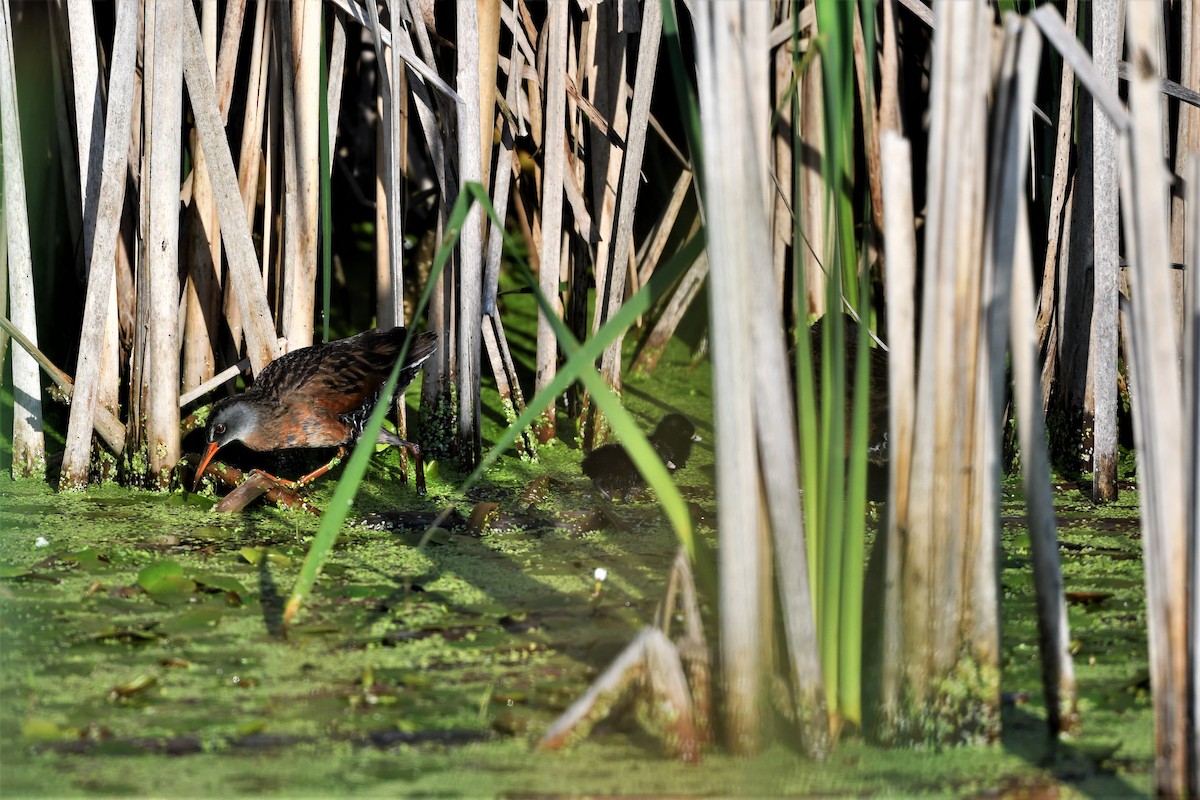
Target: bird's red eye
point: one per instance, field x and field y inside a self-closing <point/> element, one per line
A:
<point x="219" y="429"/>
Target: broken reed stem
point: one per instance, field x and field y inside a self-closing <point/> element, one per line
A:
<point x="306" y="50"/>
<point x="631" y="171"/>
<point x="1010" y="276"/>
<point x="201" y="251"/>
<point x="1158" y="409"/>
<point x="470" y="251"/>
<point x="90" y="143"/>
<point x="652" y="661"/>
<point x="162" y="388"/>
<point x="654" y="246"/>
<point x="1057" y="230"/>
<point x="671" y="315"/>
<point x="262" y="344"/>
<point x="28" y="441"/>
<point x="738" y="234"/>
<point x="554" y="147"/>
<point x="86" y="412"/>
<point x="1106" y="233"/>
<point x="1192" y="415"/>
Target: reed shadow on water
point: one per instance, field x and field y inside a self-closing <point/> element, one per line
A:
<point x="1024" y="735"/>
<point x="272" y="601"/>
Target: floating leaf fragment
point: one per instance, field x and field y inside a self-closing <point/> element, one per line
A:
<point x="252" y="727"/>
<point x="13" y="572"/>
<point x="165" y="582"/>
<point x="42" y="730"/>
<point x="234" y="591"/>
<point x="87" y="558"/>
<point x="133" y="688"/>
<point x="197" y="619"/>
<point x="255" y="555"/>
<point x="126" y="634"/>
<point x="186" y="498"/>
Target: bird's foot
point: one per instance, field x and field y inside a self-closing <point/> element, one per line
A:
<point x="277" y="482"/>
<point x="258" y="483"/>
<point x="418" y="468"/>
<point x="414" y="450"/>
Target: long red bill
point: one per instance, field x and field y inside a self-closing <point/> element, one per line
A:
<point x="213" y="447"/>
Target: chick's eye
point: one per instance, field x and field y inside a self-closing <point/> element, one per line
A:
<point x="219" y="429"/>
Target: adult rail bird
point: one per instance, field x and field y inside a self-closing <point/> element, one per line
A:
<point x="318" y="396"/>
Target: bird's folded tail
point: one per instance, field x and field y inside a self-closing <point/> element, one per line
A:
<point x="421" y="350"/>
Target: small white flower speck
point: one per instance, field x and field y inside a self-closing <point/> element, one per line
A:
<point x="600" y="574"/>
<point x="41" y="541"/>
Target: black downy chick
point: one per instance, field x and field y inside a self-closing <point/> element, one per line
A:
<point x="674" y="437"/>
<point x="612" y="470"/>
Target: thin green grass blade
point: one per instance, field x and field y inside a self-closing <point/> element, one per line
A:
<point x="807" y="416"/>
<point x="808" y="425"/>
<point x="592" y="348"/>
<point x="581" y="359"/>
<point x="833" y="421"/>
<point x="347" y="486"/>
<point x="685" y="93"/>
<point x="836" y="22"/>
<point x="343" y="496"/>
<point x="852" y="577"/>
<point x="630" y="433"/>
<point x="852" y="467"/>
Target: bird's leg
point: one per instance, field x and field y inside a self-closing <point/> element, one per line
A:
<point x="387" y="437"/>
<point x="418" y="464"/>
<point x="318" y="472"/>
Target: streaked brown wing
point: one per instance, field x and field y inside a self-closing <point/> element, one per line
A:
<point x="349" y="378"/>
<point x="337" y="377"/>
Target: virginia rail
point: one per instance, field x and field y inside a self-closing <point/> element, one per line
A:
<point x="319" y="396"/>
<point x="612" y="470"/>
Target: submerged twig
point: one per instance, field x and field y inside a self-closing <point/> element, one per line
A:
<point x="653" y="661"/>
<point x="251" y="486"/>
<point x="672" y="678"/>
